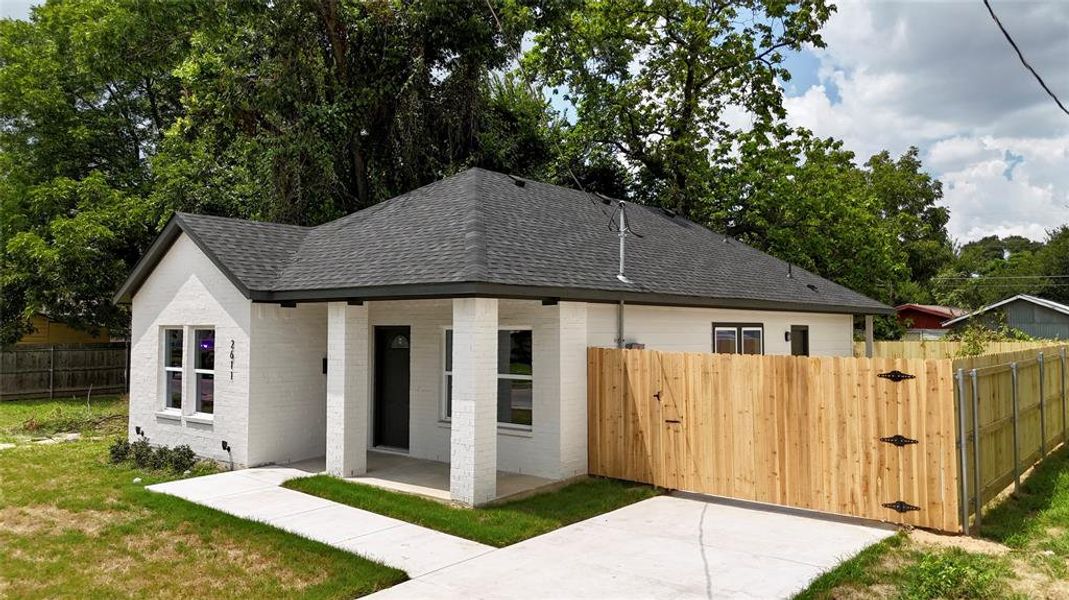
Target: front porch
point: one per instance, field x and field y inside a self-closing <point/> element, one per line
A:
<point x="463" y="399"/>
<point x="426" y="478"/>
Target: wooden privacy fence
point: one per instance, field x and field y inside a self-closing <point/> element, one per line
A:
<point x="1017" y="401"/>
<point x="937" y="349"/>
<point x="32" y="371"/>
<point x="835" y="434"/>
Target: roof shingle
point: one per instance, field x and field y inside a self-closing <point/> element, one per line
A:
<point x="482" y="227"/>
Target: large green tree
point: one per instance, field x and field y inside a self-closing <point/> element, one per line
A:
<point x="909" y="196"/>
<point x="804" y="199"/>
<point x="305" y="111"/>
<point x="663" y="84"/>
<point x="115" y="113"/>
<point x="86" y="92"/>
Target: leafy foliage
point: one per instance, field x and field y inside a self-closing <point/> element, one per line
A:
<point x="993" y="268"/>
<point x="144" y="455"/>
<point x="655" y="82"/>
<point x="954" y="574"/>
<point x="977" y="333"/>
<point x="86" y="92"/>
<point x="115" y="114"/>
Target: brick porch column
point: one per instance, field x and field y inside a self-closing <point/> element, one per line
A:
<point x="473" y="437"/>
<point x="347" y="389"/>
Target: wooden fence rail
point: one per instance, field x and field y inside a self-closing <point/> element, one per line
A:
<point x="1018" y="403"/>
<point x="33" y="371"/>
<point x="938" y="349"/>
<point x="816" y="433"/>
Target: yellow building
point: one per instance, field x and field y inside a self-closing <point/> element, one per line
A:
<point x="50" y="331"/>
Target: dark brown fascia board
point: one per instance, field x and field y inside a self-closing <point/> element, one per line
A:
<point x="156" y="252"/>
<point x="494" y="290"/>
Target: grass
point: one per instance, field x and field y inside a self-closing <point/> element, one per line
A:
<point x="73" y="526"/>
<point x="1033" y="525"/>
<point x="499" y="525"/>
<point x="860" y="571"/>
<point x="22" y="418"/>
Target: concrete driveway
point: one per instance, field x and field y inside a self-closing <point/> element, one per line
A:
<point x="664" y="547"/>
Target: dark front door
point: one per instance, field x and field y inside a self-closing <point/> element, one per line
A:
<point x="800" y="340"/>
<point x="391" y="386"/>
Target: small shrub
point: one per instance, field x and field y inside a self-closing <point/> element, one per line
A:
<point x="155" y="458"/>
<point x="182" y="458"/>
<point x="160" y="458"/>
<point x="142" y="454"/>
<point x="119" y="451"/>
<point x="954" y="574"/>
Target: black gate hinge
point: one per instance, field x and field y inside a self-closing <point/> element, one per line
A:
<point x="900" y="506"/>
<point x="898" y="440"/>
<point x="896" y="376"/>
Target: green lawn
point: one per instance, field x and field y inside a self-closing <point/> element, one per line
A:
<point x="73" y="526"/>
<point x="497" y="525"/>
<point x="1033" y="525"/>
<point x="25" y="418"/>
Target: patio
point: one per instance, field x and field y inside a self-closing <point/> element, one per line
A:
<point x="426" y="478"/>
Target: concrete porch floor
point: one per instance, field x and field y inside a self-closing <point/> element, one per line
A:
<point x="427" y="478"/>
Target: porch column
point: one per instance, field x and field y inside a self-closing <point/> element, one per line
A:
<point x="572" y="364"/>
<point x="473" y="438"/>
<point x="347" y="389"/>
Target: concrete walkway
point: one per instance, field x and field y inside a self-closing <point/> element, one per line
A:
<point x="678" y="547"/>
<point x="255" y="494"/>
<point x="664" y="547"/>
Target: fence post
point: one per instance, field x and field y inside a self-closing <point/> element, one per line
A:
<point x="1016" y="434"/>
<point x="51" y="372"/>
<point x="978" y="481"/>
<point x="1065" y="429"/>
<point x="963" y="452"/>
<point x="1042" y="408"/>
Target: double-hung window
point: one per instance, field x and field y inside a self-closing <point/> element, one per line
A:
<point x="204" y="369"/>
<point x="172" y="368"/>
<point x="185" y="364"/>
<point x="515" y="377"/>
<point x="738" y="338"/>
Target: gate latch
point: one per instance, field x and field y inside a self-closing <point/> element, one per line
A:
<point x="898" y="440"/>
<point x="900" y="506"/>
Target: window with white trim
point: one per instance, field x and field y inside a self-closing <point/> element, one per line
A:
<point x="204" y="369"/>
<point x="738" y="338"/>
<point x="515" y="377"/>
<point x="172" y="368"/>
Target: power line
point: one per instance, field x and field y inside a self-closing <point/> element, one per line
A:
<point x="989" y="277"/>
<point x="1023" y="61"/>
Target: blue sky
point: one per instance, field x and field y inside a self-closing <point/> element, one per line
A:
<point x="938" y="75"/>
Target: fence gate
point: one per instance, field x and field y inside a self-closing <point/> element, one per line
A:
<point x="872" y="438"/>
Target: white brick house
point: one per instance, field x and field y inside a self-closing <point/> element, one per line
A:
<point x="449" y="324"/>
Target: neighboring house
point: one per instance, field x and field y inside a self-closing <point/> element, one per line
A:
<point x="49" y="331"/>
<point x="450" y="324"/>
<point x="925" y="321"/>
<point x="1038" y="317"/>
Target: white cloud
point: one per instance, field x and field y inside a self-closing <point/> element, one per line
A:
<point x="939" y="75"/>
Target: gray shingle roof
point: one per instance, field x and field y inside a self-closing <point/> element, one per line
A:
<point x="478" y="232"/>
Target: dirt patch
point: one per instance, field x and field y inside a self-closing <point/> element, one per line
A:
<point x="190" y="553"/>
<point x="45" y="519"/>
<point x="1032" y="583"/>
<point x="964" y="542"/>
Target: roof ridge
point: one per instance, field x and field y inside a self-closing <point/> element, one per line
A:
<point x="186" y="215"/>
<point x="475" y="262"/>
